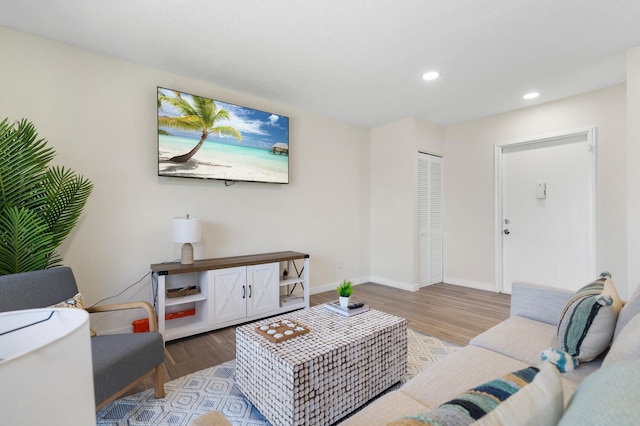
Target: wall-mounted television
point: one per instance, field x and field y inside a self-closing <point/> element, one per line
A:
<point x="203" y="138"/>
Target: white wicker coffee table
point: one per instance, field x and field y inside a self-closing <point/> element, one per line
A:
<point x="321" y="376"/>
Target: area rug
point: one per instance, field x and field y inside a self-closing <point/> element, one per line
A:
<point x="213" y="388"/>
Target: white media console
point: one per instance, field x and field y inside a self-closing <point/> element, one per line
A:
<point x="230" y="291"/>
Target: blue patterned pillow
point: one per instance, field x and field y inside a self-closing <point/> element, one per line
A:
<point x="562" y="360"/>
<point x="589" y="318"/>
<point x="474" y="403"/>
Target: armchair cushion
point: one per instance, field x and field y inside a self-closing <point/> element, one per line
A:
<point x="36" y="289"/>
<point x="117" y="358"/>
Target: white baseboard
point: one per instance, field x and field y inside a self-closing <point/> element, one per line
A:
<point x="471" y="284"/>
<point x="333" y="286"/>
<point x="395" y="284"/>
<point x="377" y="280"/>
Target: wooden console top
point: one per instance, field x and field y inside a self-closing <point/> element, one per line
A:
<point x="170" y="268"/>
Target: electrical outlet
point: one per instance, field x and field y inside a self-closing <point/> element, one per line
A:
<point x="340" y="263"/>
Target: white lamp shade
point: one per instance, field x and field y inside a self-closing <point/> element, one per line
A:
<point x="186" y="230"/>
<point x="45" y="367"/>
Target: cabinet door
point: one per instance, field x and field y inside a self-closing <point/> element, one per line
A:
<point x="264" y="291"/>
<point x="230" y="292"/>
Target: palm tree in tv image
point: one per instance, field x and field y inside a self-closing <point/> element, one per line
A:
<point x="200" y="116"/>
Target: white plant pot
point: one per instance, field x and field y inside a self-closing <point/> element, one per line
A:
<point x="344" y="301"/>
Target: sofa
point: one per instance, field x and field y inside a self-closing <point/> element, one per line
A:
<point x="605" y="390"/>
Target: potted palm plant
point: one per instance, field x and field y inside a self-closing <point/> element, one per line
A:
<point x="345" y="290"/>
<point x="39" y="204"/>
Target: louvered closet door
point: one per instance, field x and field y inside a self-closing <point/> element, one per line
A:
<point x="429" y="219"/>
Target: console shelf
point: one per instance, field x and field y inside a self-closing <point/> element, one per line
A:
<point x="291" y="281"/>
<point x="232" y="290"/>
<point x="173" y="301"/>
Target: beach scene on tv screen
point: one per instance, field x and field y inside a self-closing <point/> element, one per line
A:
<point x="200" y="137"/>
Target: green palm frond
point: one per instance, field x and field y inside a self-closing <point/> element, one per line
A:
<point x="39" y="205"/>
<point x="201" y="116"/>
<point x="189" y="122"/>
<point x="25" y="242"/>
<point x="67" y="194"/>
<point x="23" y="164"/>
<point x="205" y="109"/>
<point x="228" y="131"/>
<point x="180" y="104"/>
<point x="221" y="114"/>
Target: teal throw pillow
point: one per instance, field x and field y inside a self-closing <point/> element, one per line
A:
<point x="588" y="319"/>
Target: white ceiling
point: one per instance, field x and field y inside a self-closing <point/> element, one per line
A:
<point x="360" y="60"/>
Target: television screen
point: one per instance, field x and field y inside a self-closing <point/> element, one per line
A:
<point x="203" y="138"/>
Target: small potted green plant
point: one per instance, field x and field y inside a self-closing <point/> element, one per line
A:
<point x="345" y="290"/>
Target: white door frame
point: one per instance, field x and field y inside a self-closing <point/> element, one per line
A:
<point x="590" y="133"/>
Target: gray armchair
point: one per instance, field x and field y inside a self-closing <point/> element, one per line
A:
<point x="120" y="361"/>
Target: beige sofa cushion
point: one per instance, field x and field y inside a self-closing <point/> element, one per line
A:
<point x="466" y="368"/>
<point x="384" y="409"/>
<point x="524" y="340"/>
<point x="519" y="338"/>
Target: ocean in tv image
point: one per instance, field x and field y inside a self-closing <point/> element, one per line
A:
<point x="203" y="138"/>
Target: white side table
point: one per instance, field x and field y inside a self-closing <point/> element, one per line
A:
<point x="46" y="375"/>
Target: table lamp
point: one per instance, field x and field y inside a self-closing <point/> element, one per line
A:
<point x="186" y="230"/>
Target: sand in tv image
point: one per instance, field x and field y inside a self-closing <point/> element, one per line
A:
<point x="204" y="138"/>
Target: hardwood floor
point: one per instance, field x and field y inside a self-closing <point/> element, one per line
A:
<point x="452" y="313"/>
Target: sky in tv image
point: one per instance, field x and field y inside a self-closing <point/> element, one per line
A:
<point x="204" y="138"/>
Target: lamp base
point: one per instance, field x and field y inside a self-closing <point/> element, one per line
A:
<point x="187" y="254"/>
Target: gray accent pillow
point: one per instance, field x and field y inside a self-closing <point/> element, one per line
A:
<point x="629" y="310"/>
<point x="607" y="397"/>
<point x="627" y="345"/>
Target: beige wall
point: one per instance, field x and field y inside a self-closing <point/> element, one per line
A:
<point x="468" y="181"/>
<point x="353" y="192"/>
<point x="394" y="189"/>
<point x="99" y="114"/>
<point x="633" y="170"/>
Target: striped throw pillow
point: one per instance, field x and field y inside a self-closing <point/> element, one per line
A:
<point x="589" y="318"/>
<point x="473" y="404"/>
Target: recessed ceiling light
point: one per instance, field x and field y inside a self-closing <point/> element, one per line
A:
<point x="531" y="95"/>
<point x="431" y="75"/>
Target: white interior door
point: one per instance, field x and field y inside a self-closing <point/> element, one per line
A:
<point x="429" y="219"/>
<point x="547" y="222"/>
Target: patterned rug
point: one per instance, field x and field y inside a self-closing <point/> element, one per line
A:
<point x="213" y="388"/>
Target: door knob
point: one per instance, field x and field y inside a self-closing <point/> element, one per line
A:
<point x="506" y="232"/>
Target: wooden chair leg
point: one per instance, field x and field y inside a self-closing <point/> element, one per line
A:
<point x="158" y="382"/>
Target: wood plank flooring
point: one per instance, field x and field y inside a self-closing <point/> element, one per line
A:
<point x="452" y="313"/>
